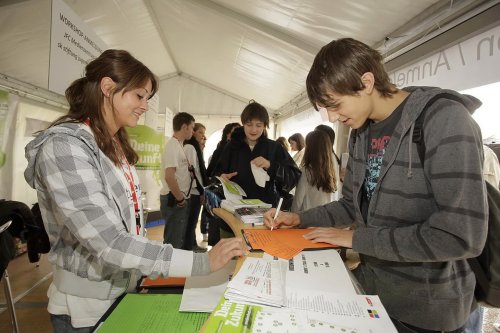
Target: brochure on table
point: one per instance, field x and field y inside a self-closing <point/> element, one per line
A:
<point x="351" y="313"/>
<point x="234" y="194"/>
<point x="311" y="292"/>
<point x="259" y="281"/>
<point x="251" y="215"/>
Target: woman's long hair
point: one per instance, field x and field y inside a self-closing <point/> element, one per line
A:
<point x="318" y="162"/>
<point x="199" y="154"/>
<point x="86" y="99"/>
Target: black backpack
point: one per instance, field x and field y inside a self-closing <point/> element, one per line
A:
<point x="486" y="266"/>
<point x="27" y="225"/>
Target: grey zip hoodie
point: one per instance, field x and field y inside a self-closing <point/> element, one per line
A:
<point x="86" y="214"/>
<point x="422" y="223"/>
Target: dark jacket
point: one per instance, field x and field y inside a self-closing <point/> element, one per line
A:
<point x="237" y="155"/>
<point x="215" y="158"/>
<point x="423" y="223"/>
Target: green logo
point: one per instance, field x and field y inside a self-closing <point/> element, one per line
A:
<point x="148" y="144"/>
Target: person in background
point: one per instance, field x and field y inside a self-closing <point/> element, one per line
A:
<point x="203" y="143"/>
<point x="317" y="183"/>
<point x="194" y="153"/>
<point x="82" y="168"/>
<point x="491" y="169"/>
<point x="212" y="223"/>
<point x="416" y="223"/>
<point x="297" y="144"/>
<point x="178" y="181"/>
<point x="249" y="146"/>
<point x="226" y="136"/>
<point x="491" y="173"/>
<point x="283" y="141"/>
<point x="336" y="160"/>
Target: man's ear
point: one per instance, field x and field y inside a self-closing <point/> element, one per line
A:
<point x="184" y="127"/>
<point x="368" y="82"/>
<point x="107" y="86"/>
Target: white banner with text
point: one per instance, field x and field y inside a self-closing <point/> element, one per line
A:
<point x="72" y="46"/>
<point x="464" y="65"/>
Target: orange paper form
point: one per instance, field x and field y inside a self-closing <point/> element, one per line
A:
<point x="163" y="282"/>
<point x="282" y="243"/>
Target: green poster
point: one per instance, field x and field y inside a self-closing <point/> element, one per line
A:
<point x="148" y="144"/>
<point x="141" y="313"/>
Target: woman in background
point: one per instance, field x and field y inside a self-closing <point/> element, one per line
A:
<point x="226" y="136"/>
<point x="336" y="160"/>
<point x="297" y="144"/>
<point x="282" y="140"/>
<point x="194" y="154"/>
<point x="317" y="183"/>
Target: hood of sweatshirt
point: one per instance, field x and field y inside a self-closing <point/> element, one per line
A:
<point x="422" y="98"/>
<point x="66" y="129"/>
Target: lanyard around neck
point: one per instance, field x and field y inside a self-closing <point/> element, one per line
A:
<point x="130" y="179"/>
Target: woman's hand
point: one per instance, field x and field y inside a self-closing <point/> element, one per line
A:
<point x="334" y="236"/>
<point x="227" y="176"/>
<point x="284" y="219"/>
<point x="224" y="251"/>
<point x="261" y="162"/>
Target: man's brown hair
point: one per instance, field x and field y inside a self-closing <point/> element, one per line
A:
<point x="338" y="67"/>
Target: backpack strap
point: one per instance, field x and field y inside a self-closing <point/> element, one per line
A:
<point x="418" y="135"/>
<point x="418" y="130"/>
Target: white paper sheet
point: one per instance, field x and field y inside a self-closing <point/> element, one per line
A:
<point x="203" y="293"/>
<point x="260" y="175"/>
<point x="321" y="270"/>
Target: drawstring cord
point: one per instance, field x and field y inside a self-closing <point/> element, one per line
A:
<point x="410" y="147"/>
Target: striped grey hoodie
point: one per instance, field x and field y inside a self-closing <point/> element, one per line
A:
<point x="421" y="224"/>
<point x="86" y="213"/>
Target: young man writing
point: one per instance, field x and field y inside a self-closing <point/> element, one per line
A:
<point x="177" y="181"/>
<point x="415" y="224"/>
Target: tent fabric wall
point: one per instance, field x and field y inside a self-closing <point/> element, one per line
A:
<point x="8" y="108"/>
<point x="30" y="117"/>
<point x="182" y="94"/>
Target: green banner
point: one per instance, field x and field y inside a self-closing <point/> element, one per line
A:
<point x="148" y="144"/>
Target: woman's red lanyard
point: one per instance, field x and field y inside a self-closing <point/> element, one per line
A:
<point x="130" y="178"/>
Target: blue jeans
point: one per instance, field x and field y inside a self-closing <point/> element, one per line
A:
<point x="175" y="223"/>
<point x="475" y="322"/>
<point x="62" y="324"/>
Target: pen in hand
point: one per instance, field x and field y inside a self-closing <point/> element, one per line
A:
<point x="276" y="213"/>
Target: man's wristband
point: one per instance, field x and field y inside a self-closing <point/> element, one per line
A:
<point x="180" y="201"/>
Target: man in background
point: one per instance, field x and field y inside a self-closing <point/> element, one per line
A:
<point x="177" y="181"/>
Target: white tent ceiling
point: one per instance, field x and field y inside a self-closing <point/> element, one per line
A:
<point x="244" y="49"/>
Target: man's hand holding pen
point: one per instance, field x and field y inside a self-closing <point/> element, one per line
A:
<point x="282" y="220"/>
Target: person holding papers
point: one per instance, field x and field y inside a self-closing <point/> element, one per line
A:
<point x="250" y="153"/>
<point x="417" y="221"/>
<point x="82" y="168"/>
